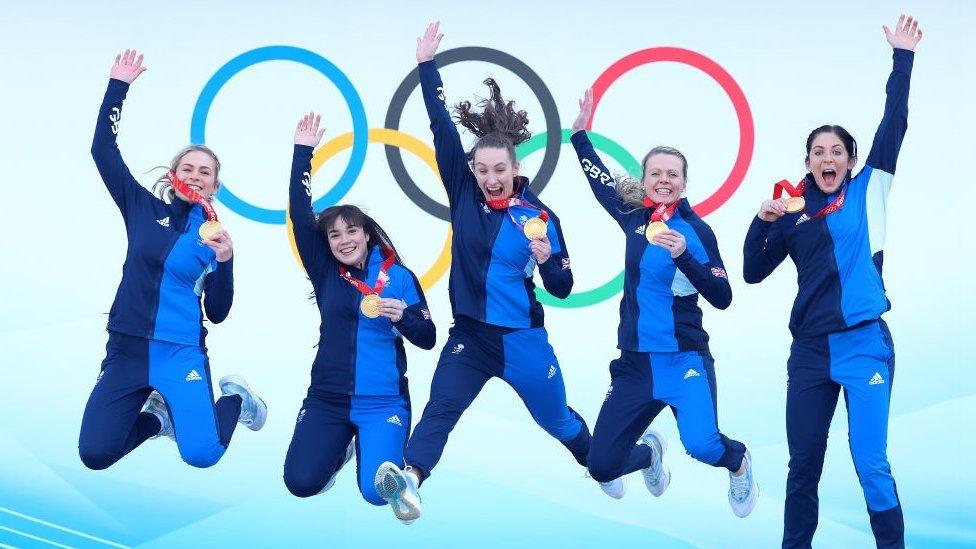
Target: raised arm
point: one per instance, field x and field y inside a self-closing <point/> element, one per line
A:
<point x="601" y="181"/>
<point x="894" y="122"/>
<point x="452" y="161"/>
<point x="105" y="150"/>
<point x="311" y="249"/>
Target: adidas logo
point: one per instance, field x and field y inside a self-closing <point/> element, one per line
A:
<point x="164" y="221"/>
<point x="552" y="371"/>
<point x="876" y="379"/>
<point x="640" y="230"/>
<point x="395" y="419"/>
<point x="801" y="219"/>
<point x="193" y="376"/>
<point x="457" y="349"/>
<point x="691" y="373"/>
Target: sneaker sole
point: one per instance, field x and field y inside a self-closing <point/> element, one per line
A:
<point x="665" y="471"/>
<point x="390" y="484"/>
<point x="261" y="413"/>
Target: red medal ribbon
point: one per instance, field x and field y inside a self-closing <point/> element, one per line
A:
<point x="506" y="203"/>
<point x="784" y="185"/>
<point x="662" y="212"/>
<point x="389" y="256"/>
<point x="194" y="196"/>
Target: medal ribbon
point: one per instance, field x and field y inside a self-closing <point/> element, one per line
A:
<point x="194" y="196"/>
<point x="389" y="256"/>
<point x="507" y="203"/>
<point x="662" y="212"/>
<point x="784" y="185"/>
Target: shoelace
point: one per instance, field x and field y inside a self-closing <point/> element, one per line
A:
<point x="740" y="487"/>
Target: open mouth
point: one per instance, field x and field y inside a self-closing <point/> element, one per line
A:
<point x="663" y="192"/>
<point x="829" y="176"/>
<point x="348" y="250"/>
<point x="494" y="192"/>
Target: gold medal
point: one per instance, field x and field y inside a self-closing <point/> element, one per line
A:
<point x="795" y="204"/>
<point x="370" y="306"/>
<point x="653" y="229"/>
<point x="208" y="229"/>
<point x="534" y="228"/>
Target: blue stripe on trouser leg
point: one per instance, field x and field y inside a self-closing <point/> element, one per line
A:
<point x="863" y="363"/>
<point x="532" y="370"/>
<point x="686" y="382"/>
<point x="627" y="410"/>
<point x="383" y="424"/>
<point x="181" y="374"/>
<point x="318" y="446"/>
<point x="112" y="425"/>
<point x="462" y="370"/>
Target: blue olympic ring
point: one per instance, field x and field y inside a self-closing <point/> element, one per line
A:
<point x="360" y="129"/>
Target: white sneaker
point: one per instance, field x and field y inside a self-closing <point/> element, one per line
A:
<point x="350" y="451"/>
<point x="254" y="412"/>
<point x="156" y="406"/>
<point x="743" y="490"/>
<point x="657" y="476"/>
<point x="616" y="488"/>
<point x="399" y="489"/>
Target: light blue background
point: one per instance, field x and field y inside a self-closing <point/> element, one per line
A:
<point x="502" y="481"/>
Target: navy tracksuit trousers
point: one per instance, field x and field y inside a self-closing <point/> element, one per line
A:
<point x="476" y="352"/>
<point x="861" y="361"/>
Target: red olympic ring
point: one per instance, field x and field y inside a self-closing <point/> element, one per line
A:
<point x="747" y="131"/>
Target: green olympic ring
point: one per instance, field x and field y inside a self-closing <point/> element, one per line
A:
<point x="633" y="167"/>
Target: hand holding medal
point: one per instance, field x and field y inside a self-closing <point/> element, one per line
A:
<point x="656" y="226"/>
<point x="541" y="248"/>
<point x="671" y="240"/>
<point x="211" y="231"/>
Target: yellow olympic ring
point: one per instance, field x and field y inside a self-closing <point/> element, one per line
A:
<point x="396" y="139"/>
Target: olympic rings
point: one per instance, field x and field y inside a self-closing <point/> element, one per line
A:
<point x="747" y="132"/>
<point x="391" y="138"/>
<point x="633" y="167"/>
<point x="488" y="55"/>
<point x="198" y="123"/>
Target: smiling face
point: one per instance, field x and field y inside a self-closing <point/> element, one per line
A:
<point x="348" y="243"/>
<point x="828" y="160"/>
<point x="495" y="172"/>
<point x="199" y="171"/>
<point x="664" y="178"/>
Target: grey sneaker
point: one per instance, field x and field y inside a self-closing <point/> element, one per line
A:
<point x="616" y="488"/>
<point x="254" y="412"/>
<point x="398" y="488"/>
<point x="657" y="476"/>
<point x="743" y="490"/>
<point x="156" y="406"/>
<point x="350" y="451"/>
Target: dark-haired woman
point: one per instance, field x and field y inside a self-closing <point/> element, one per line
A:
<point x="369" y="301"/>
<point x="502" y="232"/>
<point x="155" y="379"/>
<point x="671" y="257"/>
<point x="834" y="232"/>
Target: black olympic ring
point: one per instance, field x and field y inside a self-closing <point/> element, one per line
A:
<point x="495" y="57"/>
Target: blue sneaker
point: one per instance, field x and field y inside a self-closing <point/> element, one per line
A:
<point x="399" y="489"/>
<point x="350" y="451"/>
<point x="156" y="406"/>
<point x="657" y="476"/>
<point x="254" y="412"/>
<point x="743" y="490"/>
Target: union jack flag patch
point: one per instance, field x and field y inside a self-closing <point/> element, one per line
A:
<point x="719" y="272"/>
